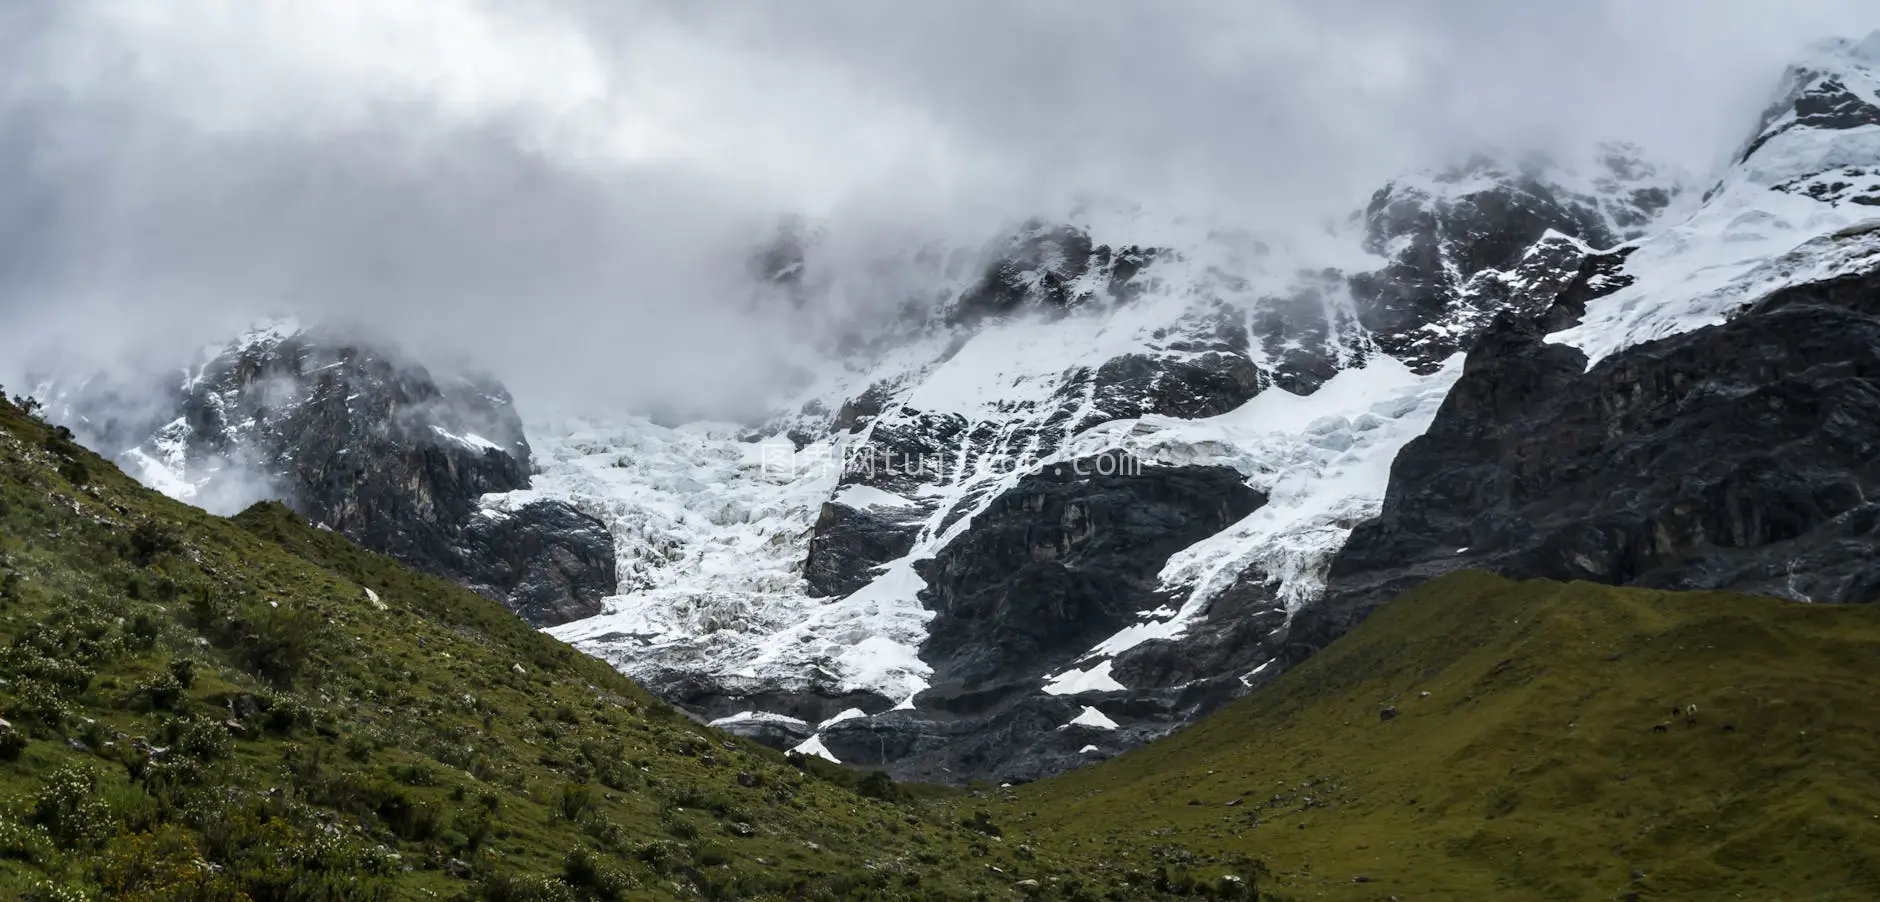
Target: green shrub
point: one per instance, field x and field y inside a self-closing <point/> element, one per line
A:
<point x="201" y="739"/>
<point x="69" y="809"/>
<point x="25" y="842"/>
<point x="142" y="632"/>
<point x="583" y="872"/>
<point x="151" y="540"/>
<point x="878" y="785"/>
<point x="40" y="704"/>
<point x="184" y="670"/>
<point x="12" y="743"/>
<point x="158" y="692"/>
<point x="506" y="888"/>
<point x="418" y="774"/>
<point x="981" y="822"/>
<point x="575" y="799"/>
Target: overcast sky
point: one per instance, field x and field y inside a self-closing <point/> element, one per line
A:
<point x="557" y="187"/>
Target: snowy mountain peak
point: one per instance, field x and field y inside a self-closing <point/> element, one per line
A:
<point x="1810" y="172"/>
<point x="1826" y="115"/>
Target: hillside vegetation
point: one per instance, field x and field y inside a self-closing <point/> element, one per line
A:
<point x="202" y="708"/>
<point x="1487" y="739"/>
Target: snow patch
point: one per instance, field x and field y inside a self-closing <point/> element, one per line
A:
<point x="866" y="496"/>
<point x="814" y="746"/>
<point x="1092" y="718"/>
<point x="469" y="440"/>
<point x="1077" y="682"/>
<point x="759" y="717"/>
<point x="845" y="714"/>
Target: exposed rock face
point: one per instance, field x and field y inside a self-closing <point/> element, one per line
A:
<point x="1450" y="239"/>
<point x="851" y="541"/>
<point x="1740" y="456"/>
<point x="381" y="450"/>
<point x="1204" y="367"/>
<point x="1053" y="266"/>
<point x="1063" y="560"/>
<point x="547" y="561"/>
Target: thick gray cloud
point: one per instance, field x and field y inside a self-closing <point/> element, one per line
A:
<point x="565" y="189"/>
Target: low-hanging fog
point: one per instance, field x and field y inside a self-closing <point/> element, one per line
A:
<point x="566" y="191"/>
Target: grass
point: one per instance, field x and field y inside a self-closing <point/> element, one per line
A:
<point x="1534" y="754"/>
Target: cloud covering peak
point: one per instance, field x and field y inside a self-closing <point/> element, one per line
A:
<point x="567" y="190"/>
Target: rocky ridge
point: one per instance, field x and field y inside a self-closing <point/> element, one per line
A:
<point x="366" y="443"/>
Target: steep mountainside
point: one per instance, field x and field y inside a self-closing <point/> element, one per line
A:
<point x="1486" y="739"/>
<point x="363" y="442"/>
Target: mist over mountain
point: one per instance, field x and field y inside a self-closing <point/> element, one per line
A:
<point x="960" y="394"/>
<point x="566" y="193"/>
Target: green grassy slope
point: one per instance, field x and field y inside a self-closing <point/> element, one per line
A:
<point x="206" y="708"/>
<point x="1534" y="755"/>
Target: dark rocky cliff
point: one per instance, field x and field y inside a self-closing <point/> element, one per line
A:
<point x="1742" y="456"/>
<point x="364" y="442"/>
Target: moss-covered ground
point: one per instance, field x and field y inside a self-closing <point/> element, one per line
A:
<point x="1488" y="739"/>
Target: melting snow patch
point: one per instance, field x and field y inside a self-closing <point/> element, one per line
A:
<point x="865" y="496"/>
<point x="759" y="717"/>
<point x="1077" y="682"/>
<point x="847" y="714"/>
<point x="469" y="439"/>
<point x="814" y="746"/>
<point x="1246" y="679"/>
<point x="1086" y="750"/>
<point x="1091" y="717"/>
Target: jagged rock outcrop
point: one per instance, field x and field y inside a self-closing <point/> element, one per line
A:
<point x="1050" y="266"/>
<point x="549" y="562"/>
<point x="1452" y="238"/>
<point x="851" y="540"/>
<point x="1065" y="558"/>
<point x="360" y="441"/>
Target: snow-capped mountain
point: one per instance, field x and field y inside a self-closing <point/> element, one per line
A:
<point x="924" y="568"/>
<point x="1118" y="466"/>
<point x="1101" y="471"/>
